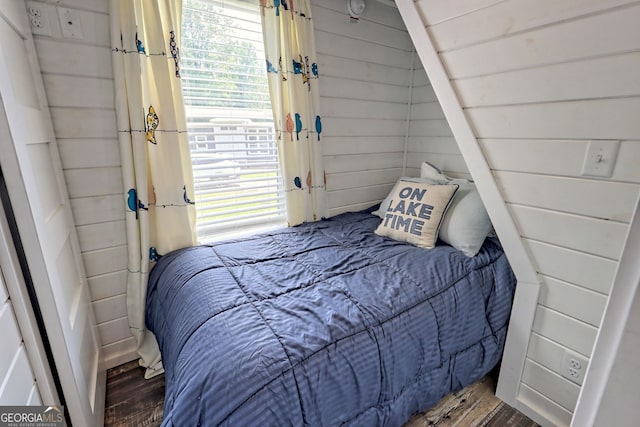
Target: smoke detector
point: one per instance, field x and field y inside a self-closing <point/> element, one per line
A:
<point x="355" y="8"/>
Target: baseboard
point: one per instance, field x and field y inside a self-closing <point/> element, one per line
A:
<point x="119" y="352"/>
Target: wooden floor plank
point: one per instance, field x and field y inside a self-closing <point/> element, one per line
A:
<point x="508" y="417"/>
<point x="133" y="401"/>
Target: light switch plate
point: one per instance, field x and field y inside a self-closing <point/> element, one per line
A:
<point x="600" y="158"/>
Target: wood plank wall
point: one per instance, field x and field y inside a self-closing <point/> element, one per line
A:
<point x="79" y="84"/>
<point x="430" y="137"/>
<point x="538" y="80"/>
<point x="17" y="381"/>
<point x="365" y="70"/>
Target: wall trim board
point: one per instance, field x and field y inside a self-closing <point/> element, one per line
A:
<point x="527" y="290"/>
<point x="25" y="317"/>
<point x="516" y="346"/>
<point x="467" y="142"/>
<point x="625" y="285"/>
<point x="407" y="130"/>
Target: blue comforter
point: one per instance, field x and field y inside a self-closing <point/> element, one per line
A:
<point x="324" y="324"/>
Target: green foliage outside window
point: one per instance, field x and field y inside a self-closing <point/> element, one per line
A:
<point x="219" y="69"/>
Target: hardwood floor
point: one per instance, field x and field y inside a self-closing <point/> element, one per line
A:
<point x="133" y="401"/>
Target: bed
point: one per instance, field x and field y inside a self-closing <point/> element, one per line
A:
<point x="324" y="324"/>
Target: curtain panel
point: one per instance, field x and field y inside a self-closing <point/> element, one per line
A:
<point x="292" y="71"/>
<point x="154" y="148"/>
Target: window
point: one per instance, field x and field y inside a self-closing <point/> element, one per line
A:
<point x="238" y="185"/>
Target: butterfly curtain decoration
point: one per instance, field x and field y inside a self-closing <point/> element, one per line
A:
<point x="292" y="72"/>
<point x="154" y="149"/>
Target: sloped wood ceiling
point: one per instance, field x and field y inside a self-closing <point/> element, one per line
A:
<point x="525" y="86"/>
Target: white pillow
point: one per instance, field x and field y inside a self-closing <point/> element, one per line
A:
<point x="429" y="171"/>
<point x="466" y="223"/>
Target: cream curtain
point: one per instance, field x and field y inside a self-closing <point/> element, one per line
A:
<point x="154" y="149"/>
<point x="292" y="70"/>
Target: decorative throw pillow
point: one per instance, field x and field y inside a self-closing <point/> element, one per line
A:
<point x="466" y="223"/>
<point x="384" y="205"/>
<point x="415" y="212"/>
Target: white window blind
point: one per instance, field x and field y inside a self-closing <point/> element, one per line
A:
<point x="238" y="185"/>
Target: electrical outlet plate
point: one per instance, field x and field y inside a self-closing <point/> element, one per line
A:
<point x="574" y="366"/>
<point x="38" y="14"/>
<point x="600" y="157"/>
<point x="70" y="23"/>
